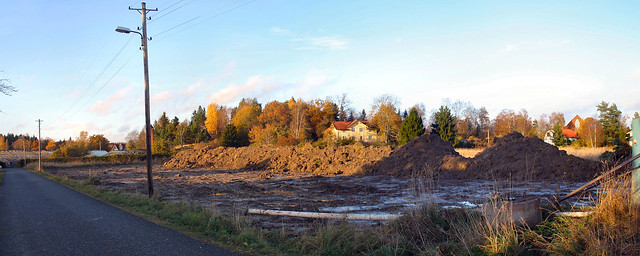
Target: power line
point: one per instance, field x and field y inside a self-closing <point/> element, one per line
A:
<point x="86" y="89"/>
<point x="178" y="8"/>
<point x="105" y="84"/>
<point x="207" y="14"/>
<point x="161" y="9"/>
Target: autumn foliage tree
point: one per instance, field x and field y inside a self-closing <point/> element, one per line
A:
<point x="4" y="144"/>
<point x="385" y="116"/>
<point x="51" y="146"/>
<point x="273" y="124"/>
<point x="246" y="116"/>
<point x="299" y="121"/>
<point x="591" y="132"/>
<point x="216" y="119"/>
<point x="98" y="142"/>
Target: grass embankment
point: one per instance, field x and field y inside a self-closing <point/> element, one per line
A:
<point x="613" y="229"/>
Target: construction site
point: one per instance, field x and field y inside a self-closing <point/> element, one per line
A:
<point x="354" y="179"/>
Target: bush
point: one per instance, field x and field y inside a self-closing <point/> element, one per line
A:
<point x="71" y="149"/>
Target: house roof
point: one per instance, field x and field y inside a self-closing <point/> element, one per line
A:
<point x="572" y="124"/>
<point x="568" y="133"/>
<point x="343" y="126"/>
<point x="339" y="125"/>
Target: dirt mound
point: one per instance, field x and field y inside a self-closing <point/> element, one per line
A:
<point x="327" y="161"/>
<point x="426" y="153"/>
<point x="519" y="158"/>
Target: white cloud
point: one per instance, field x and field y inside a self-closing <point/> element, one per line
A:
<point x="254" y="85"/>
<point x="103" y="107"/>
<point x="279" y="30"/>
<point x="535" y="92"/>
<point x="509" y="48"/>
<point x="74" y="94"/>
<point x="541" y="44"/>
<point x="312" y="82"/>
<point x="323" y="42"/>
<point x="204" y="82"/>
<point x="635" y="74"/>
<point x="161" y="97"/>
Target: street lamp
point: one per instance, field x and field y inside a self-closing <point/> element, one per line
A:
<point x="147" y="112"/>
<point x="126" y="30"/>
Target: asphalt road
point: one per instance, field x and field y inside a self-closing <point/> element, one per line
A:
<point x="41" y="217"/>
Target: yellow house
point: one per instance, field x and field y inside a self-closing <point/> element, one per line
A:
<point x="357" y="130"/>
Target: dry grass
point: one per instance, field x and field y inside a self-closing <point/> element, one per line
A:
<point x="469" y="152"/>
<point x="15" y="155"/>
<point x="613" y="229"/>
<point x="586" y="153"/>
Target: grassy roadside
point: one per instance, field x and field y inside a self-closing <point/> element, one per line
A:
<point x="230" y="233"/>
<point x="613" y="229"/>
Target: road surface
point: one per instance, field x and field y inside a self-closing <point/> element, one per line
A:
<point x="41" y="217"/>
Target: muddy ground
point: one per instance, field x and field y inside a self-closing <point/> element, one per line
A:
<point x="234" y="191"/>
<point x="351" y="179"/>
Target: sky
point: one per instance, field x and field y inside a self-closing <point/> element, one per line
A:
<point x="74" y="72"/>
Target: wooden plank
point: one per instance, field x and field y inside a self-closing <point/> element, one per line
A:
<point x="326" y="215"/>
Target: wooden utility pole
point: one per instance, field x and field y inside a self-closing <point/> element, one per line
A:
<point x="147" y="112"/>
<point x="39" y="147"/>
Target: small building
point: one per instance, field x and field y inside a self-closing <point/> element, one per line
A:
<point x="358" y="130"/>
<point x="570" y="131"/>
<point x="119" y="146"/>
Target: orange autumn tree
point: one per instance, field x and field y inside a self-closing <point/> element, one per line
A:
<point x="216" y="119"/>
<point x="51" y="146"/>
<point x="273" y="125"/>
<point x="591" y="132"/>
<point x="4" y="145"/>
<point x="246" y="116"/>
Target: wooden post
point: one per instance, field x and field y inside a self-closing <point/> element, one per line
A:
<point x="635" y="150"/>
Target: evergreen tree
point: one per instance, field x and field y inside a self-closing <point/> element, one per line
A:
<point x="558" y="136"/>
<point x="197" y="131"/>
<point x="444" y="125"/>
<point x="411" y="127"/>
<point x="610" y="119"/>
<point x="363" y="116"/>
<point x="230" y="136"/>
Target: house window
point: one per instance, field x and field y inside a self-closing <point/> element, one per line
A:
<point x="369" y="137"/>
<point x="353" y="129"/>
<point x="361" y="129"/>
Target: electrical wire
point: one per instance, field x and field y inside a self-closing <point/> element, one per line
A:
<point x="200" y="16"/>
<point x="153" y="18"/>
<point x="86" y="89"/>
<point x="105" y="84"/>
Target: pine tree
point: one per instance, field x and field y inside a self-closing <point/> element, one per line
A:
<point x="444" y="125"/>
<point x="411" y="127"/>
<point x="558" y="136"/>
<point x="610" y="119"/>
<point x="230" y="136"/>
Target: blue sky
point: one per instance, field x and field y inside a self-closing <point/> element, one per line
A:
<point x="76" y="73"/>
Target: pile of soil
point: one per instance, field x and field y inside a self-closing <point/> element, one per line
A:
<point x="328" y="161"/>
<point x="425" y="154"/>
<point x="513" y="157"/>
<point x="519" y="158"/>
